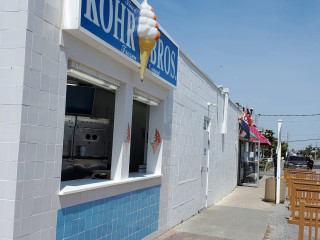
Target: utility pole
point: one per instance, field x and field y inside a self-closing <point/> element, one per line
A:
<point x="315" y="152"/>
<point x="287" y="144"/>
<point x="278" y="162"/>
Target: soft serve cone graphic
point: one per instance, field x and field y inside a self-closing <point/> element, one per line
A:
<point x="127" y="140"/>
<point x="148" y="34"/>
<point x="154" y="147"/>
<point x="127" y="145"/>
<point x="146" y="46"/>
<point x="156" y="141"/>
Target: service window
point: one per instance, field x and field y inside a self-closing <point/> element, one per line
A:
<point x="139" y="140"/>
<point x="88" y="131"/>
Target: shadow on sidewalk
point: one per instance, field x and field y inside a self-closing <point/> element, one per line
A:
<point x="175" y="235"/>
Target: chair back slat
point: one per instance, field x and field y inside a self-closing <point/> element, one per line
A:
<point x="288" y="172"/>
<point x="302" y="194"/>
<point x="299" y="182"/>
<point x="310" y="217"/>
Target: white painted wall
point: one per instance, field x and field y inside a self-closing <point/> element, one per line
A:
<point x="122" y="124"/>
<point x="156" y="122"/>
<point x="32" y="97"/>
<point x="181" y="186"/>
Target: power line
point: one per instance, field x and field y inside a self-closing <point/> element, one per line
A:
<point x="303" y="121"/>
<point x="288" y="115"/>
<point x="289" y="121"/>
<point x="305" y="140"/>
<point x="308" y="134"/>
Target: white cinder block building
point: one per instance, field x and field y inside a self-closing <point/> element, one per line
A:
<point x="89" y="151"/>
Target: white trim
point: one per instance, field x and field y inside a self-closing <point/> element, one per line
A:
<point x="82" y="185"/>
<point x="93" y="77"/>
<point x="70" y="14"/>
<point x="145" y="98"/>
<point x="95" y="73"/>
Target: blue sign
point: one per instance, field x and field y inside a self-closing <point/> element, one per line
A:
<point x="116" y="22"/>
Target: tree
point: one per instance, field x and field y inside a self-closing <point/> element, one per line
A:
<point x="274" y="143"/>
<point x="284" y="149"/>
<point x="309" y="150"/>
<point x="267" y="149"/>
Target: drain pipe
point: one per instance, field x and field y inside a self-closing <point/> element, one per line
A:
<point x="225" y="91"/>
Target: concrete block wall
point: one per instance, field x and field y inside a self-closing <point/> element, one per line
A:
<point x="224" y="159"/>
<point x="182" y="169"/>
<point x="32" y="98"/>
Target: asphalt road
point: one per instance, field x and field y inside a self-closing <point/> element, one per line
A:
<point x="316" y="167"/>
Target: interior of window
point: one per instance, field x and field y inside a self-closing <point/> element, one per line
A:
<point x="139" y="138"/>
<point x="88" y="131"/>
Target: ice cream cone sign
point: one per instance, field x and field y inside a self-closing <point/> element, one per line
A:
<point x="127" y="140"/>
<point x="148" y="34"/>
<point x="156" y="140"/>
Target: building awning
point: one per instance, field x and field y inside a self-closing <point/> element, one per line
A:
<point x="260" y="138"/>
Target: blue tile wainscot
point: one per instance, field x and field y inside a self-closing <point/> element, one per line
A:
<point x="128" y="216"/>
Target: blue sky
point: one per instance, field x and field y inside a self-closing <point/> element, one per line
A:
<point x="266" y="51"/>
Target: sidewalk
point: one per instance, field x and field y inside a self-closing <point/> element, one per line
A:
<point x="242" y="215"/>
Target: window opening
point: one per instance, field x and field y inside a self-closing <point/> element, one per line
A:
<point x="88" y="131"/>
<point x="139" y="137"/>
<point x="206" y="124"/>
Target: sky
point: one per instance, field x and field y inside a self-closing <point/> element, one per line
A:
<point x="266" y="51"/>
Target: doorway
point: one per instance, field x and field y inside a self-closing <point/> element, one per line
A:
<point x="249" y="164"/>
<point x="205" y="163"/>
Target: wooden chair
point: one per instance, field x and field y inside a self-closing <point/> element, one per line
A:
<point x="309" y="216"/>
<point x="301" y="175"/>
<point x="301" y="182"/>
<point x="302" y="194"/>
<point x="294" y="173"/>
<point x="308" y="175"/>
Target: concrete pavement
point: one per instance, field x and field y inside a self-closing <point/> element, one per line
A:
<point x="242" y="215"/>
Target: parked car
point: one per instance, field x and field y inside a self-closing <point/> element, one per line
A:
<point x="296" y="162"/>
